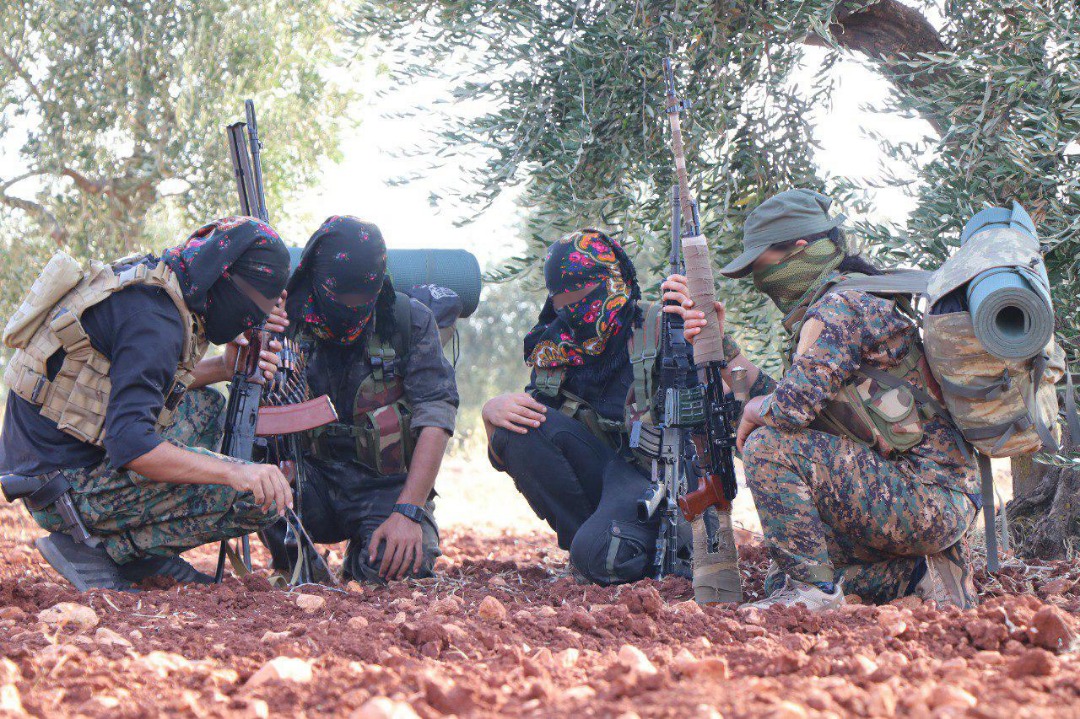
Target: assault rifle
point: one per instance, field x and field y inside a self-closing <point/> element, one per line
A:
<point x="704" y="406"/>
<point x="256" y="433"/>
<point x="676" y="406"/>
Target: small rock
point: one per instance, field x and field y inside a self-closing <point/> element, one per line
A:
<point x="107" y="636"/>
<point x="688" y="607"/>
<point x="1034" y="663"/>
<point x="385" y="708"/>
<point x="909" y="602"/>
<point x="581" y="692"/>
<point x="162" y="663"/>
<point x="715" y="668"/>
<point x="568" y="657"/>
<point x="259" y="709"/>
<point x="864" y="666"/>
<point x="1050" y="630"/>
<point x="450" y="604"/>
<point x="945" y="695"/>
<point x="491" y="610"/>
<point x="69" y="613"/>
<point x="1058" y="585"/>
<point x="310" y="602"/>
<point x="634" y="659"/>
<point x="9" y="671"/>
<point x="11" y="701"/>
<point x="15" y="614"/>
<point x="546" y="612"/>
<point x="285" y="669"/>
<point x="628" y="715"/>
<point x="544" y="657"/>
<point x="497" y="581"/>
<point x="271" y="637"/>
<point x="787" y="710"/>
<point x="358" y="623"/>
<point x="522" y="616"/>
<point x="355" y="588"/>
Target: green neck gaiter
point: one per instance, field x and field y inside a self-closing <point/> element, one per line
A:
<point x="791" y="281"/>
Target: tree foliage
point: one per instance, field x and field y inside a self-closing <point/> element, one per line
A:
<point x="576" y="92"/>
<point x="117" y="111"/>
<point x="576" y="95"/>
<point x="1008" y="93"/>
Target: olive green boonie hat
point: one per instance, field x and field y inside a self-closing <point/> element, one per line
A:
<point x="790" y="215"/>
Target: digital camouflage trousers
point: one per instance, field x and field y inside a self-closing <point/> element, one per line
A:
<point x="135" y="517"/>
<point x="833" y="510"/>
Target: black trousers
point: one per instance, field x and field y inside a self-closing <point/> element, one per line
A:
<point x="586" y="492"/>
<point x="338" y="506"/>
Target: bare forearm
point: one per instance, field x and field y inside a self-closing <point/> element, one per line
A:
<point x="210" y="371"/>
<point x="171" y="464"/>
<point x="426" y="460"/>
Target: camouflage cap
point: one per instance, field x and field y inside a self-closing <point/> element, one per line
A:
<point x="790" y="215"/>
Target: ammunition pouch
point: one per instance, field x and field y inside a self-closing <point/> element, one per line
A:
<point x="380" y="435"/>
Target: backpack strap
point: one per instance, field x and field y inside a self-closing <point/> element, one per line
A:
<point x="548" y="380"/>
<point x="402" y="339"/>
<point x="897" y="282"/>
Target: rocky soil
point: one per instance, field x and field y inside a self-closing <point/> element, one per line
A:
<point x="504" y="631"/>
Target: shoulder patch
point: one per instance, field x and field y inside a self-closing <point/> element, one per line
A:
<point x="809" y="334"/>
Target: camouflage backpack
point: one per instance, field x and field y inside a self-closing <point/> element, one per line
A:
<point x="1002" y="405"/>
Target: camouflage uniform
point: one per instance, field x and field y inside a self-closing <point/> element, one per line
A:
<point x="136" y="517"/>
<point x="833" y="509"/>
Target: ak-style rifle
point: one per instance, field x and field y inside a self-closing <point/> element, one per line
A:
<point x="254" y="432"/>
<point x="704" y="407"/>
<point x="676" y="406"/>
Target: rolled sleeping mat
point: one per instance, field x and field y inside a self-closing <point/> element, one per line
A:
<point x="1012" y="319"/>
<point x="456" y="270"/>
<point x="1011" y="310"/>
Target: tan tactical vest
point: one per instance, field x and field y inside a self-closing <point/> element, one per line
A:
<point x="50" y="319"/>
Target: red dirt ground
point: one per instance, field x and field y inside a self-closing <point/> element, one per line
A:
<point x="503" y="631"/>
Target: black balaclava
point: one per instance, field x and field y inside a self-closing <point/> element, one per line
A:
<point x="344" y="257"/>
<point x="205" y="264"/>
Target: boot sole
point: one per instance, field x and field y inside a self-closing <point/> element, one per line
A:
<point x="60" y="563"/>
<point x="79" y="578"/>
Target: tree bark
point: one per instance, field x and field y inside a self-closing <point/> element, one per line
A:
<point x="1045" y="519"/>
<point x="886" y="31"/>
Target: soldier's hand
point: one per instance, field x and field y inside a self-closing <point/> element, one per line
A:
<point x="516" y="411"/>
<point x="278" y="320"/>
<point x="404" y="550"/>
<point x="675" y="289"/>
<point x="751" y="420"/>
<point x="266" y="483"/>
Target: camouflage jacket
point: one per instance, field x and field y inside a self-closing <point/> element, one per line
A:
<point x="857" y="329"/>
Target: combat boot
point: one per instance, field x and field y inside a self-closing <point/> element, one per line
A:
<point x="85" y="566"/>
<point x="793" y="592"/>
<point x="169" y="567"/>
<point x="948" y="579"/>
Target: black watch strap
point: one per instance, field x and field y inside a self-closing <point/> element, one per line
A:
<point x="411" y="511"/>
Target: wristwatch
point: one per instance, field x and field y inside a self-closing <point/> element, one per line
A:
<point x="411" y="511"/>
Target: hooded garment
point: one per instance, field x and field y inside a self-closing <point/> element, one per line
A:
<point x="582" y="330"/>
<point x="241" y="247"/>
<point x="344" y="257"/>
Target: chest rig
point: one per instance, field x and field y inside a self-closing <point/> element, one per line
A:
<point x="380" y="433"/>
<point x="50" y="319"/>
<point x="643" y="346"/>
<point x="881" y="408"/>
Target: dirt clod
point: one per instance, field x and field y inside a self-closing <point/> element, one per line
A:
<point x="491" y="609"/>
